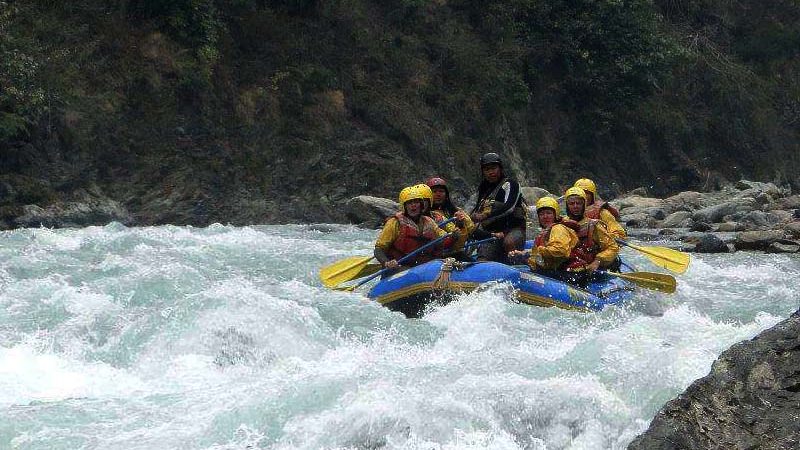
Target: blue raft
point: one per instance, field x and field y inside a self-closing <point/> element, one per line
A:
<point x="412" y="290"/>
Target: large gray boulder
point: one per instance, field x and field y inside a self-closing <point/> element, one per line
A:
<point x="687" y="201"/>
<point x="716" y="213"/>
<point x="370" y="212"/>
<point x="757" y="240"/>
<point x="635" y="201"/>
<point x="533" y="193"/>
<point x="678" y="219"/>
<point x="792" y="229"/>
<point x="748" y="401"/>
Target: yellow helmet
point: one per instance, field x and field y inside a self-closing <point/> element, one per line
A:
<point x="574" y="190"/>
<point x="548" y="202"/>
<point x="425" y="190"/>
<point x="410" y="193"/>
<point x="587" y="185"/>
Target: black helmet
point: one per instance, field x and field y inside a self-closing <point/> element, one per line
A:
<point x="491" y="158"/>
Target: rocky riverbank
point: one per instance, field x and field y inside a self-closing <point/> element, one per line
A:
<point x="745" y="215"/>
<point x="748" y="401"/>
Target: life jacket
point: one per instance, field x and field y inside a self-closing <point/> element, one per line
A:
<point x="516" y="217"/>
<point x="587" y="249"/>
<point x="593" y="211"/>
<point x="438" y="215"/>
<point x="410" y="239"/>
<point x="544" y="236"/>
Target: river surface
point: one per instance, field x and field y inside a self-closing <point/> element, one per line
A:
<point x="223" y="338"/>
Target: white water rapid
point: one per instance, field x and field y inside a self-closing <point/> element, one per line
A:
<point x="224" y="338"/>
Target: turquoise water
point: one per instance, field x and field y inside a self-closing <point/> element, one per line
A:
<point x="223" y="338"/>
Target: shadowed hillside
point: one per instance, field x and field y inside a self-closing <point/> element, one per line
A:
<point x="196" y="111"/>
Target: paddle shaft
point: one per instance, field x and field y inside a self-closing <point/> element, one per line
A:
<point x="404" y="259"/>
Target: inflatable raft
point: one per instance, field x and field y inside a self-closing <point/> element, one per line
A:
<point x="412" y="290"/>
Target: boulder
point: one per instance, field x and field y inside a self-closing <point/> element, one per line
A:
<point x="715" y="213"/>
<point x="370" y="212"/>
<point x="791" y="202"/>
<point x="756" y="188"/>
<point x="533" y="193"/>
<point x="700" y="226"/>
<point x="636" y="201"/>
<point x="710" y="243"/>
<point x="779" y="216"/>
<point x="783" y="246"/>
<point x="688" y="201"/>
<point x="640" y="191"/>
<point x="747" y="401"/>
<point x="729" y="227"/>
<point x="638" y="220"/>
<point x="792" y="229"/>
<point x="678" y="219"/>
<point x="755" y="219"/>
<point x="757" y="240"/>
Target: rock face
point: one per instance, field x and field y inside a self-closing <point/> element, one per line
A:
<point x="84" y="208"/>
<point x="750" y="400"/>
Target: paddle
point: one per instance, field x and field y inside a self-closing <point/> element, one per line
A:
<point x="470" y="244"/>
<point x="399" y="261"/>
<point x="350" y="268"/>
<point x="672" y="260"/>
<point x="649" y="280"/>
<point x="344" y="270"/>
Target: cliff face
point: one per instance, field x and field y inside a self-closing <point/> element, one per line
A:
<point x="195" y="111"/>
<point x="749" y="400"/>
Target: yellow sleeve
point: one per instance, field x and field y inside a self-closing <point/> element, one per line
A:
<point x="440" y="232"/>
<point x="450" y="227"/>
<point x="608" y="246"/>
<point x="390" y="232"/>
<point x="560" y="243"/>
<point x="614" y="227"/>
<point x="469" y="225"/>
<point x="463" y="232"/>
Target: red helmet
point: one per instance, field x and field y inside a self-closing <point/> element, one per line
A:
<point x="436" y="181"/>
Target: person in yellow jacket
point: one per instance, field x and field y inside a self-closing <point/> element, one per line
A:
<point x="407" y="231"/>
<point x="596" y="248"/>
<point x="554" y="243"/>
<point x="598" y="209"/>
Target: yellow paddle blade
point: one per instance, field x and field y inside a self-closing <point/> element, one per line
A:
<point x="369" y="269"/>
<point x="650" y="280"/>
<point x="344" y="270"/>
<point x="667" y="258"/>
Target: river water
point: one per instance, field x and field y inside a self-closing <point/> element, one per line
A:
<point x="223" y="338"/>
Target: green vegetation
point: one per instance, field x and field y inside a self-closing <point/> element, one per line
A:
<point x="249" y="110"/>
